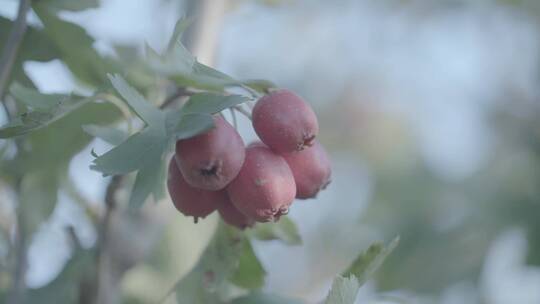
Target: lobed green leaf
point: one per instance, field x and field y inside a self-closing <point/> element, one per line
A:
<point x="146" y="111"/>
<point x="43" y="115"/>
<point x="218" y="264"/>
<point x="210" y="103"/>
<point x="344" y="290"/>
<point x="250" y="273"/>
<point x="75" y="47"/>
<point x="370" y="260"/>
<point x="110" y="135"/>
<point x="138" y="151"/>
<point x="35" y="100"/>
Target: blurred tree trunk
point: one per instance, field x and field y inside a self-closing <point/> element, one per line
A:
<point x="203" y="36"/>
<point x="201" y="39"/>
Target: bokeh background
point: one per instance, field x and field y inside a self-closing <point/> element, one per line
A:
<point x="429" y="110"/>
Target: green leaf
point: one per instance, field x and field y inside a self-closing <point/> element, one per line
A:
<point x="148" y="179"/>
<point x="110" y="135"/>
<point x="250" y="273"/>
<point x="345" y="288"/>
<point x="178" y="64"/>
<point x="49" y="151"/>
<point x="206" y="282"/>
<point x="284" y="229"/>
<point x="34" y="99"/>
<point x="138" y="151"/>
<point x="191" y="290"/>
<point x="260" y="85"/>
<point x="145" y="110"/>
<point x="70" y="5"/>
<point x="38" y="198"/>
<point x="263" y="298"/>
<point x="36" y="46"/>
<point x="211" y="103"/>
<point x="203" y="77"/>
<point x="145" y="150"/>
<point x="75" y="46"/>
<point x="369" y="261"/>
<point x="179" y="28"/>
<point x="38" y="119"/>
<point x="182" y="126"/>
<point x="176" y="59"/>
<point x="344" y="291"/>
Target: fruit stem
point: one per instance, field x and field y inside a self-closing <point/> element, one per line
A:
<point x="233" y="115"/>
<point x="250" y="104"/>
<point x="243" y="111"/>
<point x="254" y="93"/>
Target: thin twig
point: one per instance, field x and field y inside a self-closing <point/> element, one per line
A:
<point x="102" y="252"/>
<point x="171" y="99"/>
<point x="243" y="111"/>
<point x="19" y="276"/>
<point x="250" y="104"/>
<point x="110" y="205"/>
<point x="12" y="45"/>
<point x="6" y="65"/>
<point x="254" y="93"/>
<point x="75" y="241"/>
<point x="233" y="114"/>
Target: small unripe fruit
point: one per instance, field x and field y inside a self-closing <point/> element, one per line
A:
<point x="189" y="200"/>
<point x="311" y="169"/>
<point x="284" y="121"/>
<point x="264" y="189"/>
<point x="211" y="160"/>
<point x="233" y="217"/>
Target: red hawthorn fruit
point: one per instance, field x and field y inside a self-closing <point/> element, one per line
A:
<point x="311" y="169"/>
<point x="284" y="121"/>
<point x="264" y="189"/>
<point x="233" y="217"/>
<point x="257" y="143"/>
<point x="191" y="201"/>
<point x="211" y="160"/>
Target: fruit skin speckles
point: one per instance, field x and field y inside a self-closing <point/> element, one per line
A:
<point x="263" y="201"/>
<point x="213" y="159"/>
<point x="191" y="201"/>
<point x="312" y="170"/>
<point x="285" y="122"/>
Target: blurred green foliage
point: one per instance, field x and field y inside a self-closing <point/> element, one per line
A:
<point x="46" y="131"/>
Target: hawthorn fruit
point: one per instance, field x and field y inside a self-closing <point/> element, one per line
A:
<point x="265" y="188"/>
<point x="284" y="121"/>
<point x="211" y="160"/>
<point x="233" y="217"/>
<point x="192" y="201"/>
<point x="311" y="169"/>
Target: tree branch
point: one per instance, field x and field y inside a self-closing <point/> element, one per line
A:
<point x="12" y="45"/>
<point x="243" y="111"/>
<point x="181" y="92"/>
<point x="6" y="65"/>
<point x="18" y="288"/>
<point x="102" y="251"/>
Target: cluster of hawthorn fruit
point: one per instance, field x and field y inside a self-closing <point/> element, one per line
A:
<point x="258" y="183"/>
